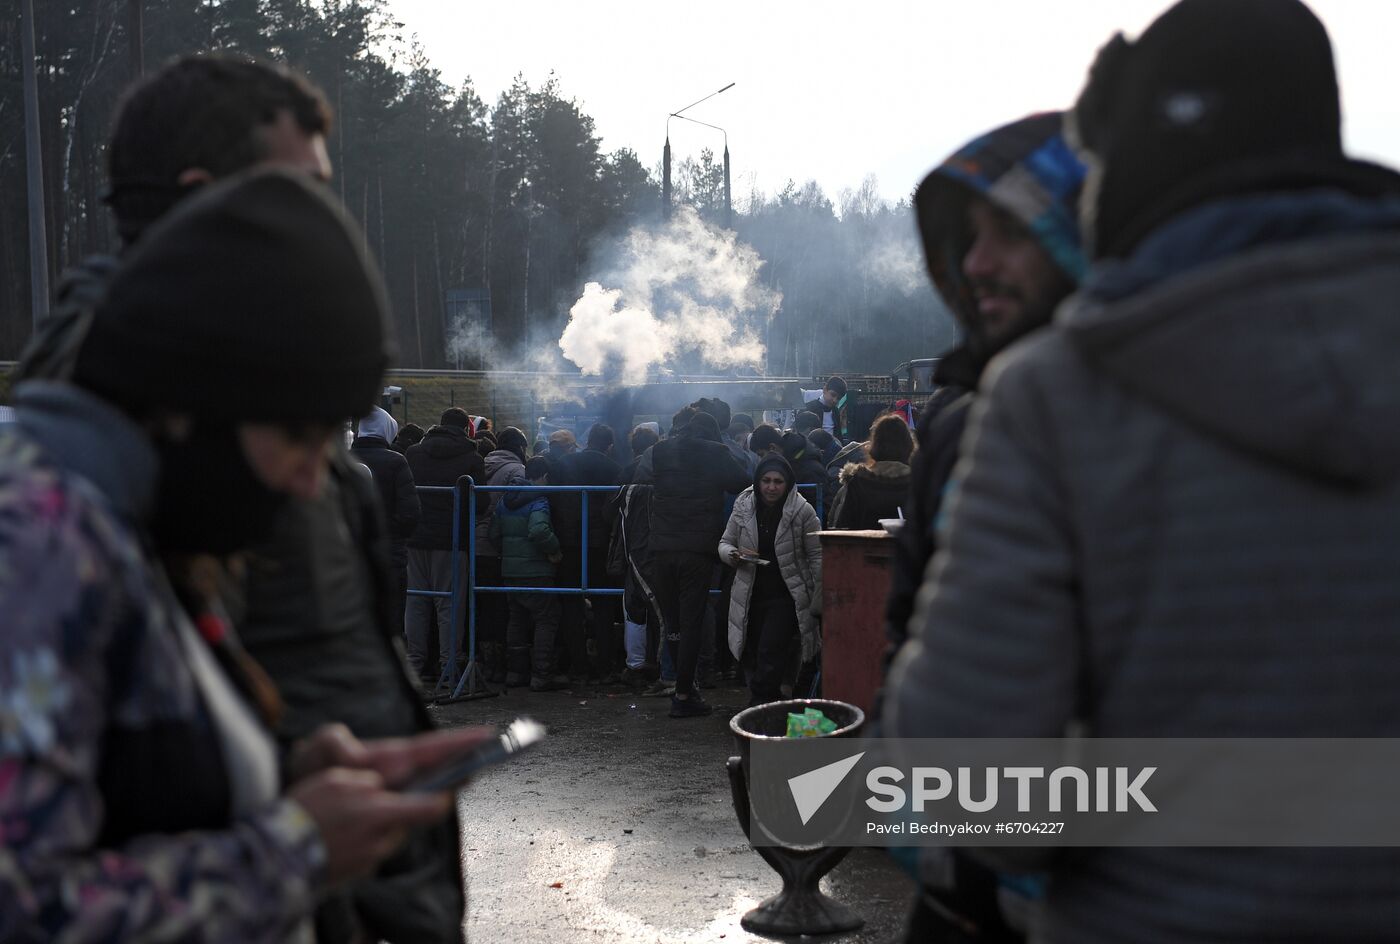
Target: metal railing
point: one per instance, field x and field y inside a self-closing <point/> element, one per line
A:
<point x="472" y="683"/>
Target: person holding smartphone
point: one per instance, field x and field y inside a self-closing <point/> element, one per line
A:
<point x="142" y="794"/>
<point x="771" y="542"/>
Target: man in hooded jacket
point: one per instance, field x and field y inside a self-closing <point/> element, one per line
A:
<point x="1001" y="240"/>
<point x="393" y="479"/>
<point x="1178" y="515"/>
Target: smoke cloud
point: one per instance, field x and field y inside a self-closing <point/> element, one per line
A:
<point x="897" y="265"/>
<point x="684" y="295"/>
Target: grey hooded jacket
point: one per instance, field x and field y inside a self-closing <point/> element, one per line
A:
<point x="1178" y="515"/>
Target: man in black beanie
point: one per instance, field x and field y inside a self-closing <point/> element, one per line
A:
<point x="186" y="427"/>
<point x="1176" y="493"/>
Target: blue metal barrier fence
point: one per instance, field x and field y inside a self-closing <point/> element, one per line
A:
<point x="472" y="681"/>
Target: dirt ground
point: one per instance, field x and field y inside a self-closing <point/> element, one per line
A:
<point x="620" y="828"/>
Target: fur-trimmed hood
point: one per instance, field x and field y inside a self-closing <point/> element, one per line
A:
<point x="886" y="469"/>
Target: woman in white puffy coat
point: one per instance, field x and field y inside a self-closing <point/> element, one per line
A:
<point x="774" y="606"/>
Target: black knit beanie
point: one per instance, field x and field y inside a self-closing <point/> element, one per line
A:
<point x="1215" y="97"/>
<point x="795" y="446"/>
<point x="250" y="302"/>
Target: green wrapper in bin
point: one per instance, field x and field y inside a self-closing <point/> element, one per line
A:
<point x="811" y="723"/>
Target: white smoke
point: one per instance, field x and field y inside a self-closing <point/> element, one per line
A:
<point x="897" y="265"/>
<point x="682" y="289"/>
<point x="469" y="342"/>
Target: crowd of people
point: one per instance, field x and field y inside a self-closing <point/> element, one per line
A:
<point x="1153" y="496"/>
<point x="674" y="536"/>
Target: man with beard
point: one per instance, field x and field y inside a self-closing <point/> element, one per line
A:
<point x="1001" y="240"/>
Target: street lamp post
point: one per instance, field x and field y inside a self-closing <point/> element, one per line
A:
<point x="728" y="207"/>
<point x="666" y="157"/>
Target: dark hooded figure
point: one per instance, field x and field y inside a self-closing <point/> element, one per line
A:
<point x="410" y="434"/>
<point x="771" y="542"/>
<point x="393" y="480"/>
<point x="1001" y="239"/>
<point x="691" y="472"/>
<point x="806" y="463"/>
<point x="1178" y="515"/>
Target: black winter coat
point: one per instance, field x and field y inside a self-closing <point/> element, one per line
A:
<point x="320" y="624"/>
<point x="444" y="455"/>
<point x="589" y="467"/>
<point x="810" y="471"/>
<point x="691" y="477"/>
<point x="941" y="425"/>
<point x="393" y="479"/>
<point x="869" y="493"/>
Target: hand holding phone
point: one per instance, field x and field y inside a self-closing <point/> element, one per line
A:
<point x="520" y="735"/>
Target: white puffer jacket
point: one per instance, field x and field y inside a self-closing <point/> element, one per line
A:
<point x="799" y="553"/>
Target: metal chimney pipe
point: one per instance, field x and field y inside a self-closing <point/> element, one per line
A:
<point x="728" y="204"/>
<point x="666" y="180"/>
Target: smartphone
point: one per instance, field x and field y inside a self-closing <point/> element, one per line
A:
<point x="521" y="735"/>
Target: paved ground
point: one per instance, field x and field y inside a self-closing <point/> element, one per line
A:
<point x="619" y="828"/>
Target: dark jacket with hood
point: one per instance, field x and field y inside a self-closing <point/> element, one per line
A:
<point x="806" y="463"/>
<point x="1027" y="169"/>
<point x="526" y="539"/>
<point x="869" y="493"/>
<point x="503" y="467"/>
<point x="1180" y="517"/>
<point x="692" y="471"/>
<point x="444" y="456"/>
<point x="393" y="479"/>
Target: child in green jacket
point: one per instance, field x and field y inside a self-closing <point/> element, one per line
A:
<point x="529" y="551"/>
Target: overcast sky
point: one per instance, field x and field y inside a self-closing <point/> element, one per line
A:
<point x="834" y="90"/>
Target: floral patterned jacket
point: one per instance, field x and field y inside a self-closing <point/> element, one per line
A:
<point x="112" y="827"/>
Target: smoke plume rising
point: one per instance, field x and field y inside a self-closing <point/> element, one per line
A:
<point x="684" y="295"/>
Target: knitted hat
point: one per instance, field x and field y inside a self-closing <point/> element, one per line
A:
<point x="1215" y="97"/>
<point x="795" y="446"/>
<point x="252" y="301"/>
